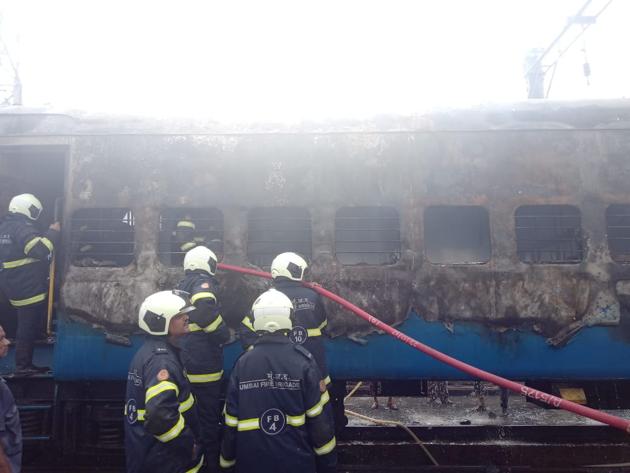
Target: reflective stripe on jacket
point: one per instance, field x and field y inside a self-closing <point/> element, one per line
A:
<point x="276" y="412"/>
<point x="25" y="254"/>
<point x="309" y="322"/>
<point x="161" y="424"/>
<point x="202" y="348"/>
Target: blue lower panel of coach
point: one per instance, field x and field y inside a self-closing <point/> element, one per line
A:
<point x="82" y="353"/>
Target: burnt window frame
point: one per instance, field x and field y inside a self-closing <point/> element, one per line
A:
<point x="76" y="241"/>
<point x="166" y="251"/>
<point x="255" y="223"/>
<point x="378" y="226"/>
<point x="579" y="237"/>
<point x="428" y="240"/>
<point x="614" y="255"/>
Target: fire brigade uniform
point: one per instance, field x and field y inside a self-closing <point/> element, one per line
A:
<point x="309" y="320"/>
<point x="185" y="236"/>
<point x="202" y="356"/>
<point x="25" y="254"/>
<point x="161" y="425"/>
<point x="274" y="412"/>
<point x="10" y="428"/>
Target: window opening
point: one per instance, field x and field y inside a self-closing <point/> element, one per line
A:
<point x="457" y="234"/>
<point x="548" y="234"/>
<point x="367" y="235"/>
<point x="102" y="237"/>
<point x="275" y="230"/>
<point x="185" y="228"/>
<point x="618" y="232"/>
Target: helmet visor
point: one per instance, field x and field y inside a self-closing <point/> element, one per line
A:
<point x="34" y="211"/>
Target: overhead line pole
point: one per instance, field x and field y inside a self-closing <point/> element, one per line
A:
<point x="558" y="38"/>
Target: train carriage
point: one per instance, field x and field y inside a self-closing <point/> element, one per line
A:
<point x="499" y="235"/>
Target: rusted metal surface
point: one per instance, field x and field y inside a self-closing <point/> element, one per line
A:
<point x="499" y="158"/>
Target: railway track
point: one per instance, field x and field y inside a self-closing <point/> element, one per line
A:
<point x="488" y="449"/>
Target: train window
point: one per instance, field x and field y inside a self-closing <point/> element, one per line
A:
<point x="184" y="228"/>
<point x="456" y="234"/>
<point x="618" y="231"/>
<point x="548" y="234"/>
<point x="367" y="235"/>
<point x="274" y="230"/>
<point x="102" y="237"/>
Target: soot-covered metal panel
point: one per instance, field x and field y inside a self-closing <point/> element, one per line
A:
<point x="499" y="170"/>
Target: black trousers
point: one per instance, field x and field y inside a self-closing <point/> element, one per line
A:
<point x="208" y="401"/>
<point x="30" y="320"/>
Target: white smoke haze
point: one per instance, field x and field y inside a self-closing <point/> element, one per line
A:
<point x="294" y="60"/>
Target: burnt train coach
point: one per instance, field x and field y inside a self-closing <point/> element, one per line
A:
<point x="499" y="235"/>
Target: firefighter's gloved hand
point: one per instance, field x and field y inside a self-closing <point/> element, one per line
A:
<point x="55" y="226"/>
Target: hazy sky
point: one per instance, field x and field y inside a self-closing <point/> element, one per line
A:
<point x="295" y="59"/>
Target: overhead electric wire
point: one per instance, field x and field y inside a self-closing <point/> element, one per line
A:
<point x="553" y="43"/>
<point x="584" y="28"/>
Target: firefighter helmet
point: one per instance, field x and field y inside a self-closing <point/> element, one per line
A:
<point x="27" y="205"/>
<point x="157" y="311"/>
<point x="202" y="258"/>
<point x="289" y="265"/>
<point x="272" y="311"/>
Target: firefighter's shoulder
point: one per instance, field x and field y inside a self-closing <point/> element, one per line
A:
<point x="160" y="350"/>
<point x="303" y="351"/>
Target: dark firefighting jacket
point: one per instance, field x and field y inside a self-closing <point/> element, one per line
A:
<point x="161" y="427"/>
<point x="275" y="406"/>
<point x="309" y="320"/>
<point x="185" y="236"/>
<point x="202" y="348"/>
<point x="10" y="428"/>
<point x="25" y="254"/>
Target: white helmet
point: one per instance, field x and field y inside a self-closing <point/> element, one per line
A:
<point x="272" y="311"/>
<point x="202" y="258"/>
<point x="158" y="309"/>
<point x="289" y="265"/>
<point x="26" y="204"/>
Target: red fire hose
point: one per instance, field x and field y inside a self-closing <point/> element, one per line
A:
<point x="554" y="401"/>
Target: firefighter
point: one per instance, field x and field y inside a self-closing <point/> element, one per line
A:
<point x="161" y="428"/>
<point x="185" y="235"/>
<point x="276" y="399"/>
<point x="287" y="271"/>
<point x="203" y="347"/>
<point x="10" y="427"/>
<point x="25" y="255"/>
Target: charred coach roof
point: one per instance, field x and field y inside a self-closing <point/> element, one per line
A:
<point x="531" y="115"/>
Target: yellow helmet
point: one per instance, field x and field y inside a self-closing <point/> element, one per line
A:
<point x="27" y="205"/>
<point x="158" y="309"/>
<point x="289" y="265"/>
<point x="272" y="311"/>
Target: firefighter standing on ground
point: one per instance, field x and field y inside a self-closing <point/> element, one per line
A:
<point x="161" y="429"/>
<point x="25" y="255"/>
<point x="275" y="401"/>
<point x="202" y="352"/>
<point x="10" y="427"/>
